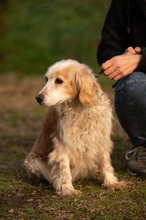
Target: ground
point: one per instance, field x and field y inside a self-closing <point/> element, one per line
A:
<point x="23" y="199"/>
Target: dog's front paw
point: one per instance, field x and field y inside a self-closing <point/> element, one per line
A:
<point x="69" y="192"/>
<point x="117" y="185"/>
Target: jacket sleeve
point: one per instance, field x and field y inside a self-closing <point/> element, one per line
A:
<point x="142" y="65"/>
<point x="113" y="39"/>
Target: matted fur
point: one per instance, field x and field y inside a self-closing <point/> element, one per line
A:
<point x="75" y="139"/>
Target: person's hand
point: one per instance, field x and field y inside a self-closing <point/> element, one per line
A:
<point x="133" y="50"/>
<point x="122" y="65"/>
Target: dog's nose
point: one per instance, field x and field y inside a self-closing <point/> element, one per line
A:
<point x="40" y="98"/>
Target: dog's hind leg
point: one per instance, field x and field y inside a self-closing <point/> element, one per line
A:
<point x="36" y="161"/>
<point x="44" y="143"/>
<point x="35" y="166"/>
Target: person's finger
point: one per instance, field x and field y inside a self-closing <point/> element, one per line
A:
<point x="130" y="50"/>
<point x="118" y="77"/>
<point x="137" y="49"/>
<point x="114" y="75"/>
<point x="106" y="65"/>
<point x="109" y="71"/>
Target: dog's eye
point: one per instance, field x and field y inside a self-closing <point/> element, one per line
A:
<point x="46" y="78"/>
<point x="58" y="80"/>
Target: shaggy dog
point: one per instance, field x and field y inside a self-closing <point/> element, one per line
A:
<point x="75" y="139"/>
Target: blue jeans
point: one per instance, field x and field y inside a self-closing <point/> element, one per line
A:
<point x="130" y="106"/>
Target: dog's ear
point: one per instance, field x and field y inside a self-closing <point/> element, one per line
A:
<point x="87" y="88"/>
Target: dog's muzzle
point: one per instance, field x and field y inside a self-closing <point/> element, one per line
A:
<point x="40" y="98"/>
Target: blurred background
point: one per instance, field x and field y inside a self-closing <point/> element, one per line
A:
<point x="35" y="34"/>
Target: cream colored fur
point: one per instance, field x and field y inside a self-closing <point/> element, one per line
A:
<point x="75" y="139"/>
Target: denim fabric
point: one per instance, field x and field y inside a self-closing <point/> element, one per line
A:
<point x="130" y="106"/>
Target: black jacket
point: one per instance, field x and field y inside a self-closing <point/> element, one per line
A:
<point x="125" y="25"/>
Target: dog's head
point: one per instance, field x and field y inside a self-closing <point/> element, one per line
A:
<point x="68" y="80"/>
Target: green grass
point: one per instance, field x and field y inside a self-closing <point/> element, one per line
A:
<point x="25" y="199"/>
<point x="35" y="34"/>
<point x="22" y="198"/>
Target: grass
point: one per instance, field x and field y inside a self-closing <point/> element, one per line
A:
<point x="25" y="199"/>
<point x="37" y="34"/>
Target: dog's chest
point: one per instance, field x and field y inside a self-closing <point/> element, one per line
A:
<point x="78" y="130"/>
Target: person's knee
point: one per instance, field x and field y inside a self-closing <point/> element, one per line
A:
<point x="132" y="87"/>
